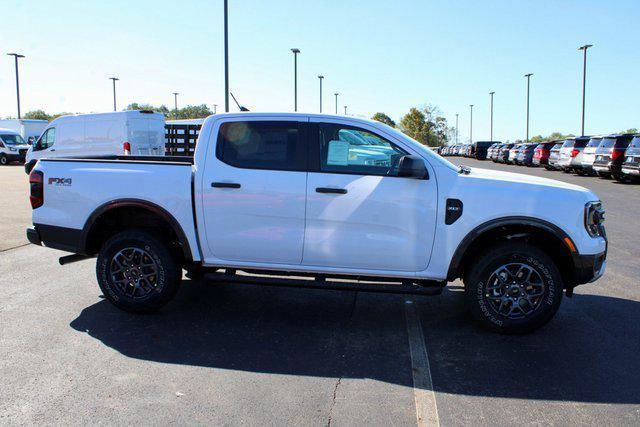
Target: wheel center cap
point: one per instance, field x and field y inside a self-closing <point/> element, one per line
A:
<point x="514" y="290"/>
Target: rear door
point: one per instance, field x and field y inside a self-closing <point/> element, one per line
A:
<point x="254" y="190"/>
<point x="359" y="214"/>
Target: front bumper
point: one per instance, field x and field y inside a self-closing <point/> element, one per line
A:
<point x="631" y="168"/>
<point x="589" y="268"/>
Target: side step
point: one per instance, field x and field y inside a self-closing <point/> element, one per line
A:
<point x="430" y="288"/>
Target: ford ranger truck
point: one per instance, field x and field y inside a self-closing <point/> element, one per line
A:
<point x="321" y="197"/>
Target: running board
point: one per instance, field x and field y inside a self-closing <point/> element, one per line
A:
<point x="434" y="288"/>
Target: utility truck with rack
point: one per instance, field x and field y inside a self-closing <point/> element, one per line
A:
<point x="304" y="200"/>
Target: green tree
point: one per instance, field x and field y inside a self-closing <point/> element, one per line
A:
<point x="383" y="118"/>
<point x="414" y="124"/>
<point x="192" y="112"/>
<point x="37" y="115"/>
<point x="632" y="130"/>
<point x="56" y="115"/>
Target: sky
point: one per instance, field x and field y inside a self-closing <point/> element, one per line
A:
<point x="379" y="55"/>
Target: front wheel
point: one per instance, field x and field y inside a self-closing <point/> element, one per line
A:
<point x="513" y="288"/>
<point x="3" y="160"/>
<point x="137" y="272"/>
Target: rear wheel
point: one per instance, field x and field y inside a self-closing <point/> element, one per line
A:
<point x="620" y="177"/>
<point x="3" y="160"/>
<point x="513" y="288"/>
<point x="604" y="175"/>
<point x="137" y="272"/>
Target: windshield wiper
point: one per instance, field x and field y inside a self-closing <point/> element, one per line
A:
<point x="464" y="169"/>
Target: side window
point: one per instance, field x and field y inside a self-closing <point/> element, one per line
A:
<point x="351" y="150"/>
<point x="46" y="140"/>
<point x="262" y="145"/>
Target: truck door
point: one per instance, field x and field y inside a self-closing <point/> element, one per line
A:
<point x="253" y="192"/>
<point x="359" y="215"/>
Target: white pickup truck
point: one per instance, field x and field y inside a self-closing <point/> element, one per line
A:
<point x="291" y="195"/>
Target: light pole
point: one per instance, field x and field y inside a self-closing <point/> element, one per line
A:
<point x="491" y="126"/>
<point x="345" y="110"/>
<point x="215" y="108"/>
<point x="471" y="125"/>
<point x="320" y="78"/>
<point x="528" y="76"/>
<point x="226" y="56"/>
<point x="15" y="57"/>
<point x="584" y="79"/>
<point x="295" y="51"/>
<point x="175" y="103"/>
<point x="336" y="95"/>
<point x="456" y="128"/>
<point x="114" y="91"/>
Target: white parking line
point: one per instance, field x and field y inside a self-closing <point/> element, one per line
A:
<point x="425" y="398"/>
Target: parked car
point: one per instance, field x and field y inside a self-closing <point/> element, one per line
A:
<point x="589" y="155"/>
<point x="525" y="154"/>
<point x="415" y="218"/>
<point x="104" y="134"/>
<point x="631" y="165"/>
<point x="513" y="154"/>
<point x="503" y="152"/>
<point x="554" y="156"/>
<point x="569" y="159"/>
<point x="481" y="148"/>
<point x="13" y="147"/>
<point x="610" y="155"/>
<point x="29" y="129"/>
<point x="541" y="154"/>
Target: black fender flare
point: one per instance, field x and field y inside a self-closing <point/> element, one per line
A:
<point x="465" y="243"/>
<point x="144" y="204"/>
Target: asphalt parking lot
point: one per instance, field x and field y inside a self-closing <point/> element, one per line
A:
<point x="230" y="354"/>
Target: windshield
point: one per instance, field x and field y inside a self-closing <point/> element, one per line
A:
<point x="594" y="142"/>
<point x="11" y="139"/>
<point x="568" y="143"/>
<point x="607" y="142"/>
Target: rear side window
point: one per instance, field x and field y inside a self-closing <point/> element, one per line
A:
<point x="580" y="143"/>
<point x="635" y="142"/>
<point x="262" y="145"/>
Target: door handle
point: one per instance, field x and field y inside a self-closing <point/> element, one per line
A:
<point x="225" y="185"/>
<point x="53" y="149"/>
<point x="327" y="190"/>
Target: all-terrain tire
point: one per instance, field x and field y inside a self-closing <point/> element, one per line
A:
<point x="481" y="296"/>
<point x="149" y="253"/>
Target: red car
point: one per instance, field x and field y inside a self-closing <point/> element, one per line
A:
<point x="541" y="154"/>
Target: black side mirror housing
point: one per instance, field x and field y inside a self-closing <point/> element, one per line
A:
<point x="412" y="167"/>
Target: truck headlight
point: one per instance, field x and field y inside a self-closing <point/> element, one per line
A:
<point x="594" y="219"/>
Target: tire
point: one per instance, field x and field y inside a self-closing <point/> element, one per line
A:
<point x="603" y="175"/>
<point x="620" y="178"/>
<point x="4" y="161"/>
<point x="127" y="250"/>
<point x="492" y="312"/>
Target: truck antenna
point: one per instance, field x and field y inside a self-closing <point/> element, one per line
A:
<point x="239" y="106"/>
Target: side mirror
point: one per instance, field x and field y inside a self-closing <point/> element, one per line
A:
<point x="412" y="167"/>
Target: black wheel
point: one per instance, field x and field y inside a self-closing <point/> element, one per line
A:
<point x="513" y="288"/>
<point x="3" y="160"/>
<point x="565" y="170"/>
<point x="604" y="175"/>
<point x="137" y="271"/>
<point x="620" y="178"/>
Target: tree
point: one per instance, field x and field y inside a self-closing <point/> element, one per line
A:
<point x="192" y="112"/>
<point x="37" y="115"/>
<point x="632" y="130"/>
<point x="383" y="118"/>
<point x="414" y="124"/>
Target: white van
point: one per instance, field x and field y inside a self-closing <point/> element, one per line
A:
<point x="139" y="133"/>
<point x="12" y="147"/>
<point x="29" y="129"/>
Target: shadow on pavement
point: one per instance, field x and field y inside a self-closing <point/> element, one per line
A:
<point x="587" y="354"/>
